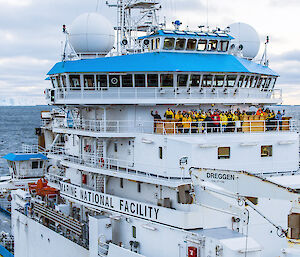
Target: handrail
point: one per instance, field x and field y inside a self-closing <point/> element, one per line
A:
<point x="162" y="92"/>
<point x="178" y="127"/>
<point x="32" y="149"/>
<point x="123" y="166"/>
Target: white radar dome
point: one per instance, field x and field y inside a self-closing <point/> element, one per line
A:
<point x="92" y="33"/>
<point x="246" y="39"/>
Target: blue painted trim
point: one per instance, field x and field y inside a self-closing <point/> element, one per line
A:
<point x="4" y="252"/>
<point x="164" y="62"/>
<point x="24" y="157"/>
<point x="4" y="211"/>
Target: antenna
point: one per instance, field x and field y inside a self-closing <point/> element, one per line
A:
<point x="177" y="24"/>
<point x="207" y="7"/>
<point x="264" y="59"/>
<point x="133" y="18"/>
<point x="67" y="44"/>
<point x="97" y="6"/>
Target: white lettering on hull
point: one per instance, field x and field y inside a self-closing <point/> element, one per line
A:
<point x="110" y="202"/>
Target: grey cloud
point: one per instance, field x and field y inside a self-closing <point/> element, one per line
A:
<point x="293" y="55"/>
<point x="284" y="2"/>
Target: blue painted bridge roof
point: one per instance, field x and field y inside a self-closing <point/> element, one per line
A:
<point x="24" y="157"/>
<point x="163" y="62"/>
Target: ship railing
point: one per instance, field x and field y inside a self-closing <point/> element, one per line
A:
<point x="179" y="127"/>
<point x="32" y="149"/>
<point x="130" y="167"/>
<point x="103" y="248"/>
<point x="167" y="93"/>
<point x="207" y="127"/>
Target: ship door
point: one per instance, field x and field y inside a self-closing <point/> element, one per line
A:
<point x="131" y="152"/>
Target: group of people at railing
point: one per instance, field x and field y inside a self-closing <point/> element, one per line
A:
<point x="194" y="121"/>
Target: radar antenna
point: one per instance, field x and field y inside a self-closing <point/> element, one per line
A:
<point x="134" y="18"/>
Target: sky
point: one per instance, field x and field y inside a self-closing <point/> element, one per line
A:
<point x="31" y="37"/>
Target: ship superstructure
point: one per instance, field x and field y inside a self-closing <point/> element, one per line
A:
<point x="131" y="184"/>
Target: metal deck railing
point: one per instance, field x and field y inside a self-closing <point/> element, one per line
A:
<point x="124" y="167"/>
<point x="159" y="93"/>
<point x="178" y="128"/>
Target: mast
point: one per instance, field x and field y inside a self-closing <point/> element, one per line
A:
<point x="135" y="17"/>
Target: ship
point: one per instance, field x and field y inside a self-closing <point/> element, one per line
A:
<point x="161" y="142"/>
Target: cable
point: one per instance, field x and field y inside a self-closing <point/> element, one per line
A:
<point x="247" y="232"/>
<point x="97" y="6"/>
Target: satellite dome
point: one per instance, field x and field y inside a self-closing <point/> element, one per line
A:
<point x="91" y="33"/>
<point x="246" y="39"/>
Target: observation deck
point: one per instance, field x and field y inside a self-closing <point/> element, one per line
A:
<point x="129" y="128"/>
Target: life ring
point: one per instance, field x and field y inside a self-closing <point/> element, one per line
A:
<point x="114" y="81"/>
<point x="101" y="161"/>
<point x="9" y="198"/>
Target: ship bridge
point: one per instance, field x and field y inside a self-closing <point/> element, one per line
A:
<point x="163" y="78"/>
<point x="185" y="41"/>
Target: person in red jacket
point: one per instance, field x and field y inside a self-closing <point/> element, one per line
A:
<point x="216" y="121"/>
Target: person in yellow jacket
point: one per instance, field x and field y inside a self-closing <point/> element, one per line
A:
<point x="224" y="121"/>
<point x="186" y="120"/>
<point x="169" y="115"/>
<point x="178" y="118"/>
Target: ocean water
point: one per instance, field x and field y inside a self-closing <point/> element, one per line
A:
<point x="18" y="123"/>
<point x="17" y="127"/>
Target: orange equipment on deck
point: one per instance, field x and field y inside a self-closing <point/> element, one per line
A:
<point x="41" y="188"/>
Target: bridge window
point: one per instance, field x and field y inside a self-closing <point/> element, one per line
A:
<point x="254" y="81"/>
<point x="139" y="80"/>
<point x="63" y="78"/>
<point x="223" y="153"/>
<point x="152" y="44"/>
<point x="272" y="84"/>
<point x="261" y="83"/>
<point x="212" y="45"/>
<point x="195" y="80"/>
<point x="114" y="81"/>
<point x="35" y="165"/>
<point x="152" y="80"/>
<point x="230" y="81"/>
<point x="101" y="81"/>
<point x="127" y="80"/>
<point x="191" y="44"/>
<point x="267" y="84"/>
<point x="207" y="80"/>
<point x="241" y="80"/>
<point x="246" y="80"/>
<point x="182" y="80"/>
<point x="266" y="151"/>
<point x="75" y="81"/>
<point x="219" y="81"/>
<point x="88" y="81"/>
<point x="157" y="43"/>
<point x="169" y="43"/>
<point x="223" y="46"/>
<point x="180" y="44"/>
<point x="202" y="45"/>
<point x="58" y="81"/>
<point x="166" y="80"/>
<point x="53" y="81"/>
